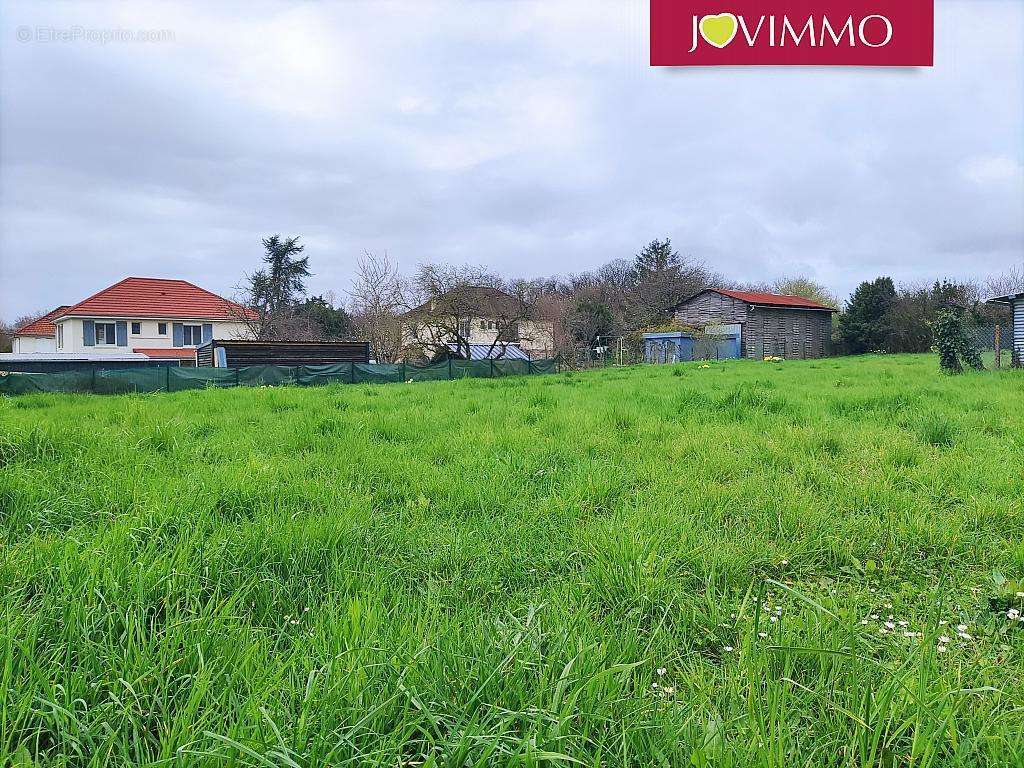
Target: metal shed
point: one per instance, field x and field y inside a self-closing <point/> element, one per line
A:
<point x="1015" y="301"/>
<point x="237" y="353"/>
<point x="716" y="343"/>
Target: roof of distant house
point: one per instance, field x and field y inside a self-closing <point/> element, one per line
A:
<point x="42" y="326"/>
<point x="157" y="297"/>
<point x="473" y="301"/>
<point x="497" y="351"/>
<point x="779" y="300"/>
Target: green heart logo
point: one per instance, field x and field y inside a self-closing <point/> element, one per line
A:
<point x="719" y="30"/>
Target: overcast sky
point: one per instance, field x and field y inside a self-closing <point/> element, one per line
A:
<point x="531" y="137"/>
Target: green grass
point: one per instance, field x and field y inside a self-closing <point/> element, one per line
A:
<point x="681" y="566"/>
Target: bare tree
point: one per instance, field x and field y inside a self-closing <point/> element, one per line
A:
<point x="805" y="288"/>
<point x="376" y="300"/>
<point x="1009" y="282"/>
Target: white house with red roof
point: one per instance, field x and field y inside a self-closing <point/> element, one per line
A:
<point x="139" y="316"/>
<point x="39" y="336"/>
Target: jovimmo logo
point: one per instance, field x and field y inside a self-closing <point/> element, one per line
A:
<point x="866" y="33"/>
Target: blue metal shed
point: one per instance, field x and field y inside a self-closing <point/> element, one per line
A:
<point x="668" y="347"/>
<point x="715" y="343"/>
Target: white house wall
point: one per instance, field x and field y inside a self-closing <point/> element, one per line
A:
<point x="148" y="338"/>
<point x="34" y="344"/>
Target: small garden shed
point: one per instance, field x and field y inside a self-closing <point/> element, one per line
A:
<point x="715" y="343"/>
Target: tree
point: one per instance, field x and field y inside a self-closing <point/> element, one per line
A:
<point x="332" y="323"/>
<point x="271" y="293"/>
<point x="867" y="324"/>
<point x="1009" y="282"/>
<point x="590" y="319"/>
<point x="376" y="302"/>
<point x="661" y="279"/>
<point x="805" y="288"/>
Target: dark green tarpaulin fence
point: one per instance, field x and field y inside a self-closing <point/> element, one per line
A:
<point x="172" y="379"/>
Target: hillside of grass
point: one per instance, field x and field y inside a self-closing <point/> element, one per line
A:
<point x="813" y="563"/>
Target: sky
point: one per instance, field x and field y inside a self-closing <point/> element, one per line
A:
<point x="529" y="137"/>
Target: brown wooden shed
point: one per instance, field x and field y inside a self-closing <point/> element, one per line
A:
<point x="769" y="324"/>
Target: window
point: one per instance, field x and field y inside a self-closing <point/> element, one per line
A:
<point x="464" y="328"/>
<point x="161" y="328"/>
<point x="60" y="336"/>
<point x="483" y="325"/>
<point x="105" y="334"/>
<point x="193" y="335"/>
<point x="136" y="328"/>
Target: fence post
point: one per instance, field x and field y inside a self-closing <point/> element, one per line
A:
<point x="238" y="379"/>
<point x="167" y="370"/>
<point x="352" y="373"/>
<point x="94" y="380"/>
<point x="403" y="370"/>
<point x="529" y="366"/>
<point x="492" y="367"/>
<point x="449" y="368"/>
<point x="997" y="346"/>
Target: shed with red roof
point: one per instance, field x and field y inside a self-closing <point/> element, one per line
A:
<point x="768" y="324"/>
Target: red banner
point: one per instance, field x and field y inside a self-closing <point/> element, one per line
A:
<point x="860" y="33"/>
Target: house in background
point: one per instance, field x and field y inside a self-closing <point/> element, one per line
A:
<point x="477" y="322"/>
<point x="1015" y="301"/>
<point x="766" y="324"/>
<point x="38" y="336"/>
<point x="137" y="318"/>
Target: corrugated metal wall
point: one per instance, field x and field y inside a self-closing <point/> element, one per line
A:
<point x="1018" y="329"/>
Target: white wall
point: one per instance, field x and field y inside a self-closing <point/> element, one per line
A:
<point x="148" y="336"/>
<point x="536" y="337"/>
<point x="29" y="344"/>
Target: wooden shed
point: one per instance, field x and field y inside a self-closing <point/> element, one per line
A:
<point x="1015" y="301"/>
<point x="237" y="353"/>
<point x="768" y="324"/>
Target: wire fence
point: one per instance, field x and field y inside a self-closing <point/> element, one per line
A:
<point x="989" y="338"/>
<point x="173" y="379"/>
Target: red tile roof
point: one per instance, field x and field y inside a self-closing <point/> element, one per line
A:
<point x="43" y="326"/>
<point x="773" y="299"/>
<point x="184" y="353"/>
<point x="156" y="297"/>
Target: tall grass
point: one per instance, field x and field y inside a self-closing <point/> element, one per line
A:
<point x="749" y="564"/>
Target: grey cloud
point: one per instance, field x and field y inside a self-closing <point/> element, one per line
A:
<point x="528" y="136"/>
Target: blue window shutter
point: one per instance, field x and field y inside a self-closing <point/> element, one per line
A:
<point x="179" y="334"/>
<point x="89" y="333"/>
<point x="207" y="332"/>
<point x="121" y="333"/>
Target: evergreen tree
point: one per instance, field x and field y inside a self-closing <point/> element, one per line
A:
<point x="866" y="326"/>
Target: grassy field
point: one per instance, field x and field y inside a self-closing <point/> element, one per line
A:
<point x="731" y="564"/>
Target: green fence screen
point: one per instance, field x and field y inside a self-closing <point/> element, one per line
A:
<point x="170" y="379"/>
